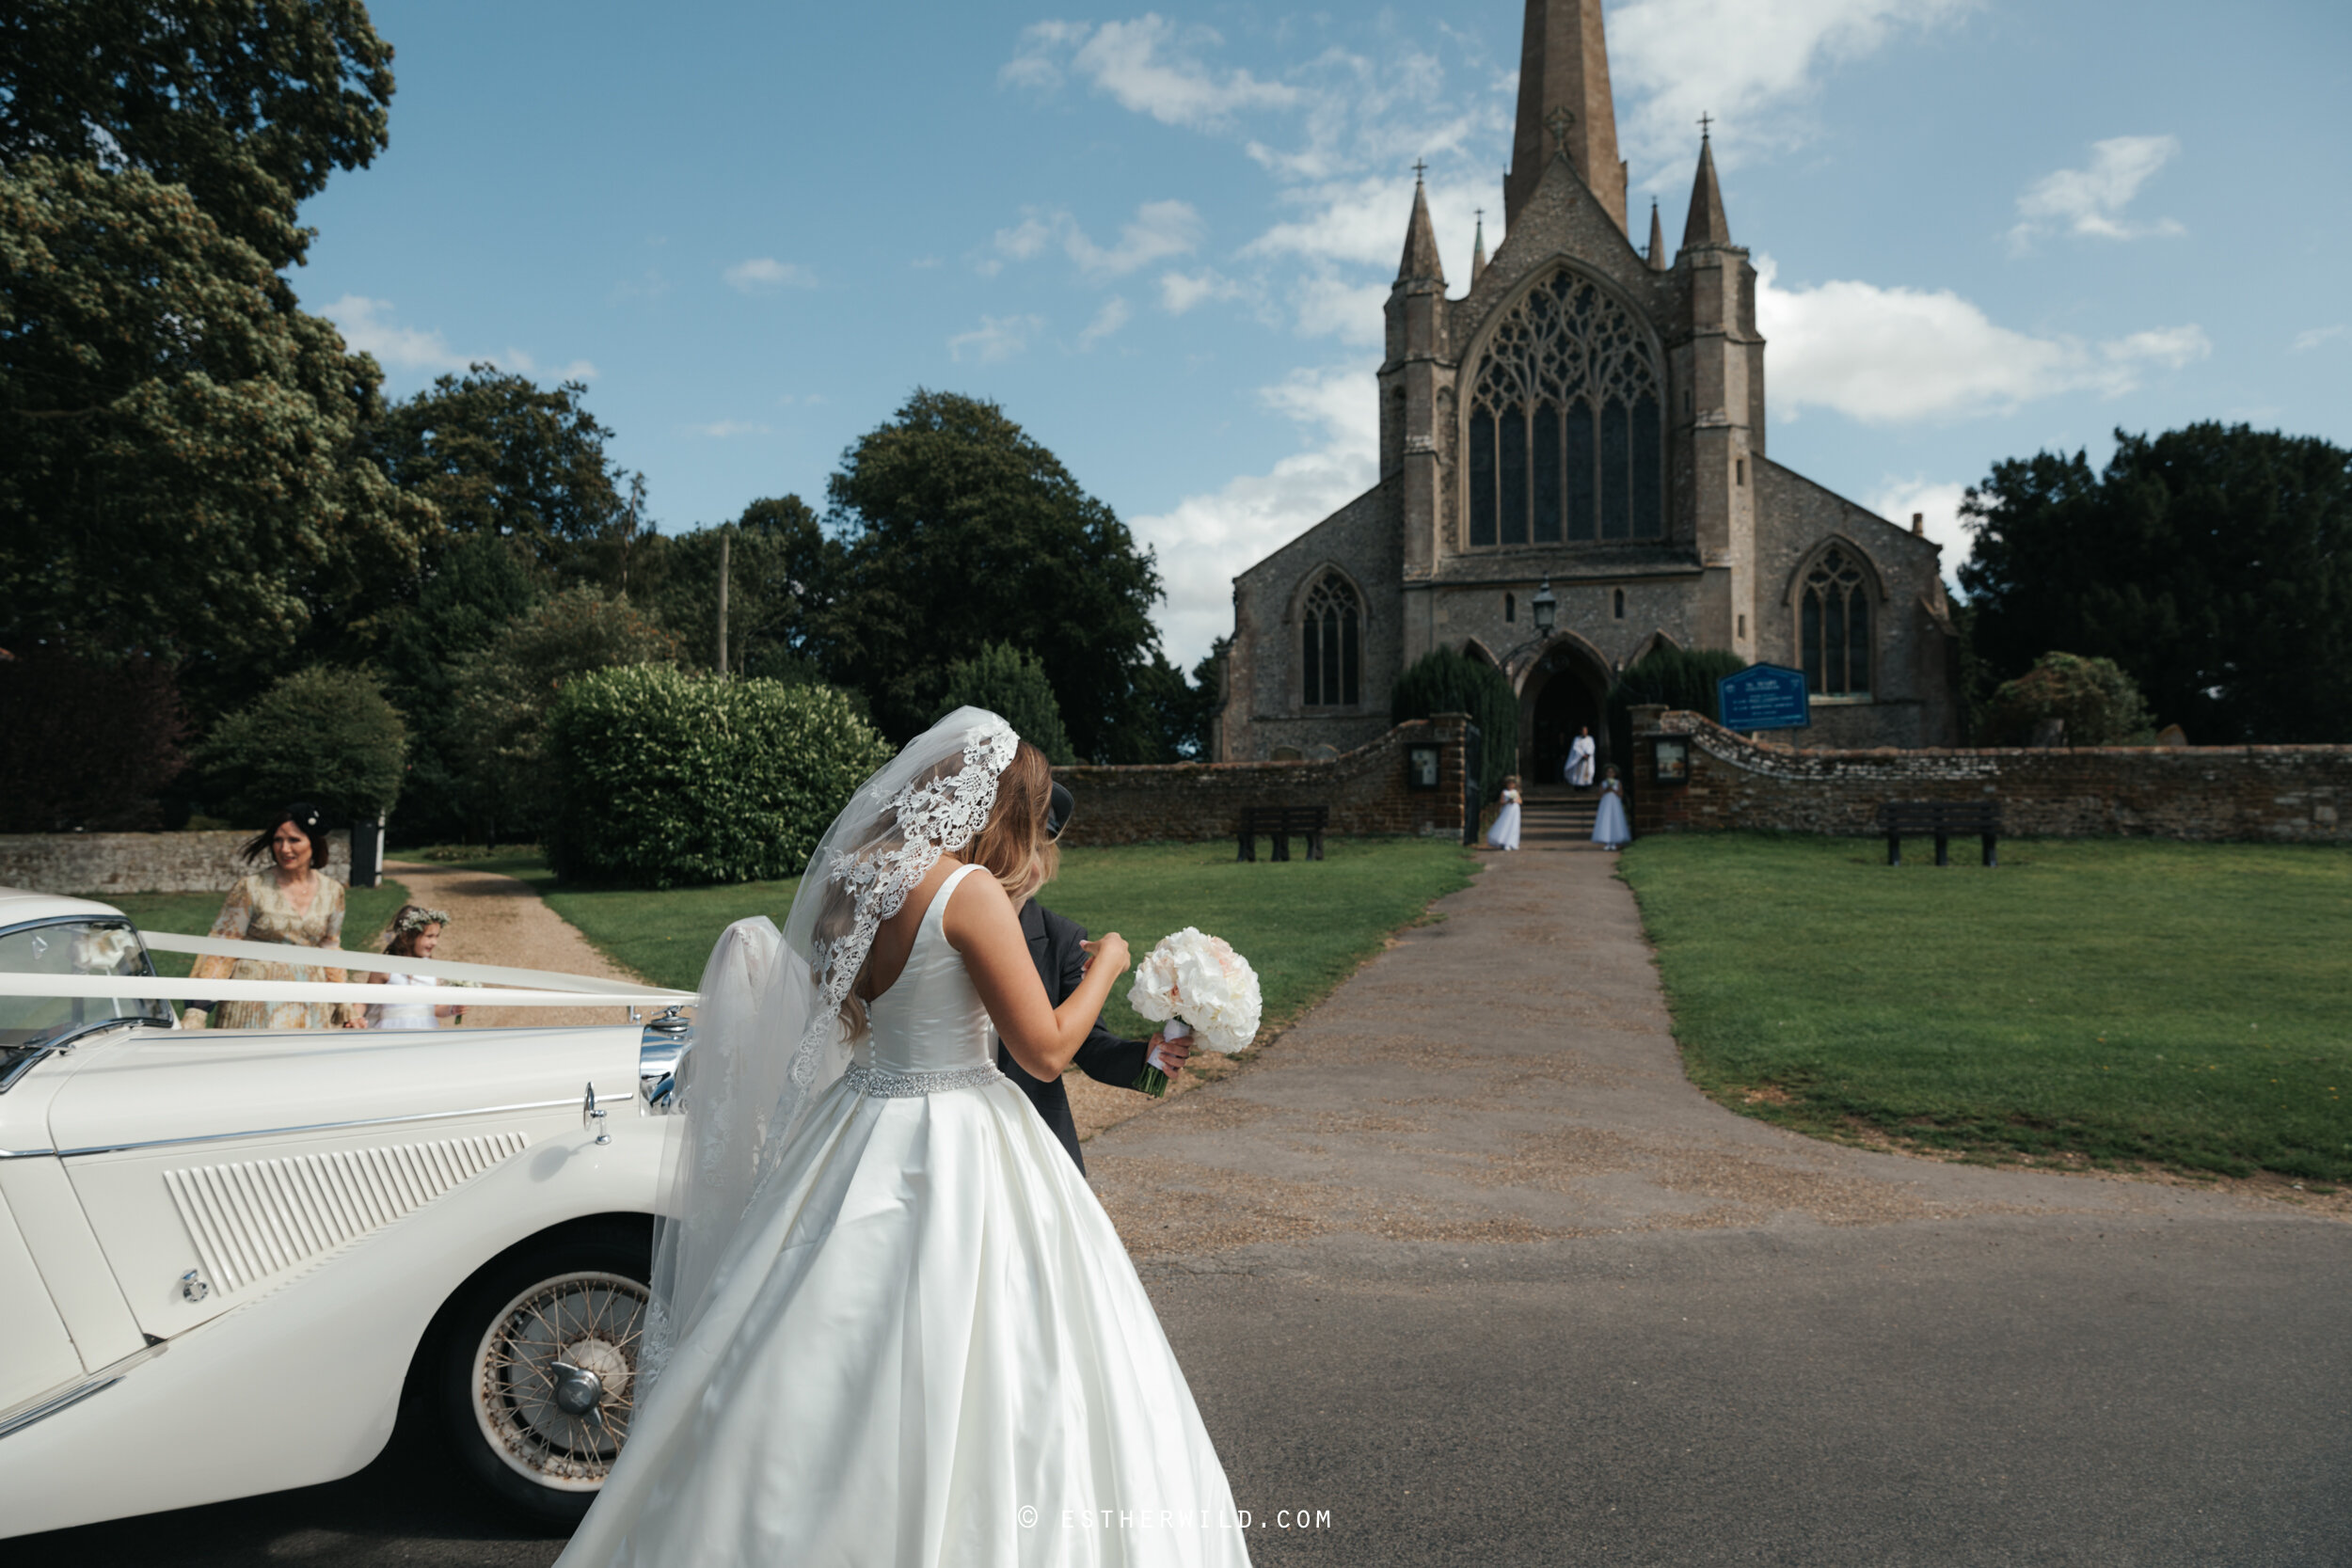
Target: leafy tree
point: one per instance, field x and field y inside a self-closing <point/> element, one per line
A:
<point x="496" y="453"/>
<point x="320" y="734"/>
<point x="250" y="106"/>
<point x="90" y="745"/>
<point x="475" y="586"/>
<point x="1446" y="680"/>
<point x="2213" y="563"/>
<point x="669" y="778"/>
<point x="179" y="462"/>
<point x="1011" y="684"/>
<point x="1169" y="719"/>
<point x="500" y="706"/>
<point x="777" y="557"/>
<point x="2087" y="702"/>
<point x="959" y="529"/>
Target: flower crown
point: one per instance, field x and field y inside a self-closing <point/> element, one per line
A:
<point x="412" y="921"/>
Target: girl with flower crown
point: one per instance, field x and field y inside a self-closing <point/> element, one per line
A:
<point x="415" y="931"/>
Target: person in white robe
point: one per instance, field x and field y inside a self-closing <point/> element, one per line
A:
<point x="1610" y="829"/>
<point x="1579" y="770"/>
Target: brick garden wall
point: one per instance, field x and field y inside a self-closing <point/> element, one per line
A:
<point x="1367" y="791"/>
<point x="95" y="864"/>
<point x="2285" y="794"/>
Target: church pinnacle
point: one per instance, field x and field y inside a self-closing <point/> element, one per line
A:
<point x="1657" y="239"/>
<point x="1564" y="106"/>
<point x="1478" y="249"/>
<point x="1706" y="224"/>
<point x="1420" y="264"/>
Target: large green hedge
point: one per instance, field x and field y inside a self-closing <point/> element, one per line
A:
<point x="671" y="779"/>
<point x="1444" y="680"/>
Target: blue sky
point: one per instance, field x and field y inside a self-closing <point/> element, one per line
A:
<point x="1161" y="239"/>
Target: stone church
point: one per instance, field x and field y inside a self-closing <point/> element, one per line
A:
<point x="1587" y="418"/>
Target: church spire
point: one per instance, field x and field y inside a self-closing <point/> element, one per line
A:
<point x="1657" y="239"/>
<point x="1707" y="225"/>
<point x="1564" y="106"/>
<point x="1478" y="249"/>
<point x="1420" y="261"/>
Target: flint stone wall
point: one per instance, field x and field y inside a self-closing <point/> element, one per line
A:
<point x="2277" y="794"/>
<point x="1367" y="791"/>
<point x="92" y="865"/>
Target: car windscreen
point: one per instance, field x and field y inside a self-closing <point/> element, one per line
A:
<point x="95" y="946"/>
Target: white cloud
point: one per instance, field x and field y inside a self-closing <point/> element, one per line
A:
<point x="2090" y="200"/>
<point x="1937" y="504"/>
<point x="1205" y="539"/>
<point x="764" y="272"/>
<point x="1328" y="306"/>
<point x="997" y="337"/>
<point x="1114" y="314"/>
<point x="367" y="327"/>
<point x="719" y="429"/>
<point x="1752" y="67"/>
<point x="1890" y="355"/>
<point x="1148" y="64"/>
<point x="2311" y="338"/>
<point x="1181" y="292"/>
<point x="1158" y="231"/>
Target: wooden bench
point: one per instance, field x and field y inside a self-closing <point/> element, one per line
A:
<point x="1279" y="823"/>
<point x="1943" y="818"/>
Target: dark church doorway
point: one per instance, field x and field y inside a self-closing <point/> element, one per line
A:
<point x="1561" y="696"/>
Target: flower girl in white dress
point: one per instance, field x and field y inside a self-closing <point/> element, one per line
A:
<point x="1505" y="834"/>
<point x="1610" y="827"/>
<point x="891" y="1324"/>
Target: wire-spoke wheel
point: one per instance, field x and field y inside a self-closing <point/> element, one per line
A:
<point x="539" y="1369"/>
<point x="554" y="1377"/>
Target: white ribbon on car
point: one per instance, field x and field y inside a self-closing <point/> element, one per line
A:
<point x="157" y="988"/>
<point x="499" y="986"/>
<point x="386" y="963"/>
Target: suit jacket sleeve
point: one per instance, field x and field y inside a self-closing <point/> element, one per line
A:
<point x="1104" y="1057"/>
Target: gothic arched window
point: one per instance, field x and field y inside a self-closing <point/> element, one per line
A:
<point x="1833" y="627"/>
<point x="1566" y="442"/>
<point x="1332" y="643"/>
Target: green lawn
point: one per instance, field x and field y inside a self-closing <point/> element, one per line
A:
<point x="192" y="914"/>
<point x="1303" y="924"/>
<point x="2124" y="1000"/>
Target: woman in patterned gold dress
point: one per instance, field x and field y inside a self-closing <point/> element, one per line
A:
<point x="290" y="902"/>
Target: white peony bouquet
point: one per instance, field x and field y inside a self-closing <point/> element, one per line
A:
<point x="1195" y="983"/>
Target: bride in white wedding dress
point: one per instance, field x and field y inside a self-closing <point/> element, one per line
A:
<point x="891" y="1324"/>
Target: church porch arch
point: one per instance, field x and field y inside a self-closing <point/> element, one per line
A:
<point x="1563" y="687"/>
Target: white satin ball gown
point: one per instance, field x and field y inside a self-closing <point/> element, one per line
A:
<point x="930" y="1349"/>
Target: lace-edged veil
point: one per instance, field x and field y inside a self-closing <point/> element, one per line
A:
<point x="776" y="1020"/>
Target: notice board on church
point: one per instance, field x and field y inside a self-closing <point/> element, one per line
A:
<point x="1764" y="697"/>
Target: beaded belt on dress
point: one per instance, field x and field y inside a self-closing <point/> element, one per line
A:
<point x="881" y="1083"/>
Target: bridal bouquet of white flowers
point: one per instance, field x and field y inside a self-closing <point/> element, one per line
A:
<point x="1195" y="983"/>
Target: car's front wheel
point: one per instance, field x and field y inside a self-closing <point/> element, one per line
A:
<point x="536" y="1374"/>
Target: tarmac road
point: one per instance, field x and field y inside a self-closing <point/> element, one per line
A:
<point x="1466" y="1266"/>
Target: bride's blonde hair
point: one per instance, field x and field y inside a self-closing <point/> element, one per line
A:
<point x="1013" y="845"/>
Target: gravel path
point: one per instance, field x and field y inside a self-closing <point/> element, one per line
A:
<point x="499" y="920"/>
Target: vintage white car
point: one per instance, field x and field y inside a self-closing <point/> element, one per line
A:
<point x="230" y="1261"/>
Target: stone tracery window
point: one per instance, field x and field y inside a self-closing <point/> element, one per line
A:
<point x="1332" y="643"/>
<point x="1566" y="442"/>
<point x="1833" y="627"/>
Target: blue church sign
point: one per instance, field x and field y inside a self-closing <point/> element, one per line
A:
<point x="1763" y="697"/>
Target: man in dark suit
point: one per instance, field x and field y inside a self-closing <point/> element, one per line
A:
<point x="1061" y="963"/>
